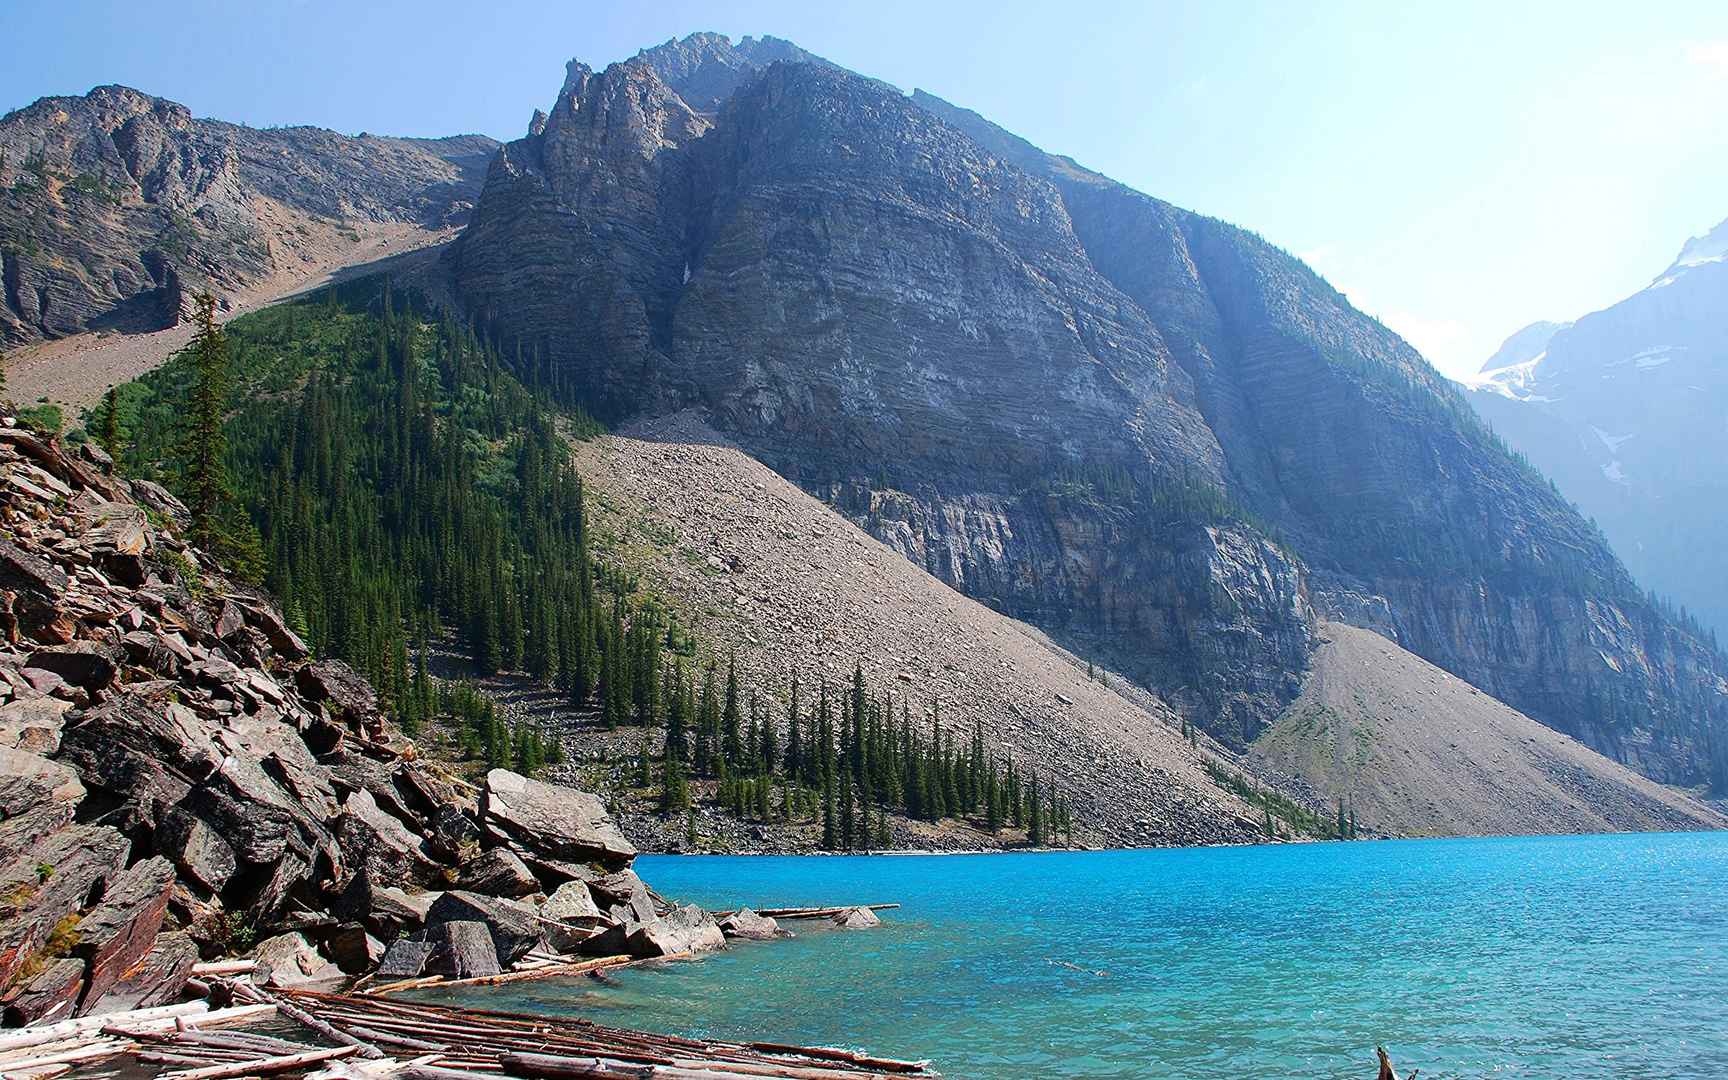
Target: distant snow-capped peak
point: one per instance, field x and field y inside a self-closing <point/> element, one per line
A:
<point x="1712" y="247"/>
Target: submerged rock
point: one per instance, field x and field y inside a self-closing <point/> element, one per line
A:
<point x="746" y="924"/>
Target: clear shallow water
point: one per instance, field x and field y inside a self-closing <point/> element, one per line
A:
<point x="1566" y="957"/>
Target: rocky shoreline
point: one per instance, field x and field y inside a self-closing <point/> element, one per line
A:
<point x="182" y="782"/>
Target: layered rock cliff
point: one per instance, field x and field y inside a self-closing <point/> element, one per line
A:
<point x="1151" y="433"/>
<point x="113" y="203"/>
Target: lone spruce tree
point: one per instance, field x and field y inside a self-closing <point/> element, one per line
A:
<point x="205" y="442"/>
<point x="109" y="434"/>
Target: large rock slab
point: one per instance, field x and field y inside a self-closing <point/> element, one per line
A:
<point x="197" y="848"/>
<point x="50" y="995"/>
<point x="291" y="960"/>
<point x="33" y="724"/>
<point x="404" y="959"/>
<point x="88" y="665"/>
<point x="53" y="881"/>
<point x="515" y="927"/>
<point x="339" y="688"/>
<point x="750" y="926"/>
<point x="571" y="902"/>
<point x="498" y="872"/>
<point x="122" y="929"/>
<point x="382" y="845"/>
<point x="155" y="980"/>
<point x="557" y="822"/>
<point x="462" y="950"/>
<point x="686" y="929"/>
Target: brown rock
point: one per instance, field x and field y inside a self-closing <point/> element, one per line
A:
<point x="123" y="927"/>
<point x="156" y="980"/>
<point x="89" y="665"/>
<point x="51" y="995"/>
<point x="746" y="924"/>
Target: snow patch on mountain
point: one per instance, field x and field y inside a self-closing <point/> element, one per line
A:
<point x="1612" y="442"/>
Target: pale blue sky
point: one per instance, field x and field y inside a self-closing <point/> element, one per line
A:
<point x="1458" y="170"/>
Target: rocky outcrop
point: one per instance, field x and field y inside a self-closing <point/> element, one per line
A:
<point x="114" y="204"/>
<point x="1150" y="433"/>
<point x="178" y="779"/>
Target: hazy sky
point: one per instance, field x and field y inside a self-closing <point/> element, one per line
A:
<point x="1458" y="171"/>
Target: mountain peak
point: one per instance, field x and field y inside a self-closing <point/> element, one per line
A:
<point x="705" y="68"/>
<point x="1712" y="247"/>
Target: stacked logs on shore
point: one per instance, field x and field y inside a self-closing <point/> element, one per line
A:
<point x="454" y="1042"/>
<point x="180" y="781"/>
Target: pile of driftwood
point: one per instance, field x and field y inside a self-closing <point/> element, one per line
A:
<point x="40" y="1053"/>
<point x="442" y="1042"/>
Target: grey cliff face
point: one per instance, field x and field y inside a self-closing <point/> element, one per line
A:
<point x="113" y="202"/>
<point x="1151" y="433"/>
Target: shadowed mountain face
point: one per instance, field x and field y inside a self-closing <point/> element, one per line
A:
<point x="1160" y="438"/>
<point x="112" y="203"/>
<point x="1627" y="409"/>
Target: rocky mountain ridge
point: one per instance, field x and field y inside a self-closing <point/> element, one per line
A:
<point x="115" y="203"/>
<point x="1157" y="437"/>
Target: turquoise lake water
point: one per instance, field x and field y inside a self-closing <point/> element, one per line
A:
<point x="1564" y="957"/>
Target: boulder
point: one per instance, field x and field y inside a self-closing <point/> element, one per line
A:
<point x="515" y="928"/>
<point x="120" y="930"/>
<point x="571" y="902"/>
<point x="340" y="688"/>
<point x="462" y="950"/>
<point x="381" y="845"/>
<point x="197" y="848"/>
<point x="623" y="896"/>
<point x="404" y="959"/>
<point x="51" y="994"/>
<point x="498" y="872"/>
<point x="557" y="823"/>
<point x="156" y="980"/>
<point x="291" y="960"/>
<point x="352" y="948"/>
<point x="33" y="724"/>
<point x="53" y="880"/>
<point x="686" y="929"/>
<point x="266" y="621"/>
<point x="855" y="918"/>
<point x="89" y="665"/>
<point x="19" y="568"/>
<point x="28" y="780"/>
<point x="746" y="924"/>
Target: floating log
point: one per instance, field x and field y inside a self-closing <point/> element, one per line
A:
<point x="809" y="912"/>
<point x="324" y="1028"/>
<point x="257" y="1066"/>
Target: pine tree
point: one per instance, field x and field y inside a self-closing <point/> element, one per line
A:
<point x="109" y="433"/>
<point x="731" y="720"/>
<point x="830" y="838"/>
<point x="1035" y="816"/>
<point x="206" y="441"/>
